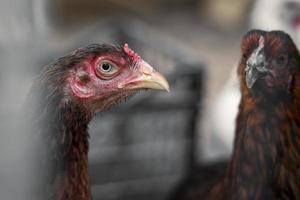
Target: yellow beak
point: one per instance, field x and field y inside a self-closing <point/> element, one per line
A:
<point x="148" y="78"/>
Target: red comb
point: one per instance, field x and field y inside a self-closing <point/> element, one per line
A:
<point x="261" y="42"/>
<point x="135" y="57"/>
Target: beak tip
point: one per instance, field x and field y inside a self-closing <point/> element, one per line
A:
<point x="167" y="88"/>
<point x="162" y="82"/>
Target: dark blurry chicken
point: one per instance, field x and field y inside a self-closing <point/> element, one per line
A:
<point x="266" y="159"/>
<point x="266" y="15"/>
<point x="66" y="96"/>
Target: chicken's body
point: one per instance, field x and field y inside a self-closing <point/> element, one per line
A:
<point x="65" y="97"/>
<point x="265" y="163"/>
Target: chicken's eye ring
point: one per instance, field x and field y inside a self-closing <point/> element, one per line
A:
<point x="106" y="69"/>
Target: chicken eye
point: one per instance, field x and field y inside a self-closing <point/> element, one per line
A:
<point x="281" y="60"/>
<point x="106" y="70"/>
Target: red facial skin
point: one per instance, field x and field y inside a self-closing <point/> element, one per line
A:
<point x="97" y="89"/>
<point x="85" y="87"/>
<point x="89" y="85"/>
<point x="86" y="80"/>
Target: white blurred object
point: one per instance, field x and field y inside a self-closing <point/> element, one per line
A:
<point x="266" y="15"/>
<point x="225" y="110"/>
<point x="277" y="15"/>
<point x="221" y="116"/>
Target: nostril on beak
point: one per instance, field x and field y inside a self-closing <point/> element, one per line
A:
<point x="257" y="63"/>
<point x="262" y="68"/>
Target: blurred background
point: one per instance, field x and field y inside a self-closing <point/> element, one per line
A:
<point x="144" y="148"/>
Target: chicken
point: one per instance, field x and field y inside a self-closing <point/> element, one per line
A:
<point x="64" y="99"/>
<point x="265" y="162"/>
<point x="266" y="155"/>
<point x="267" y="15"/>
